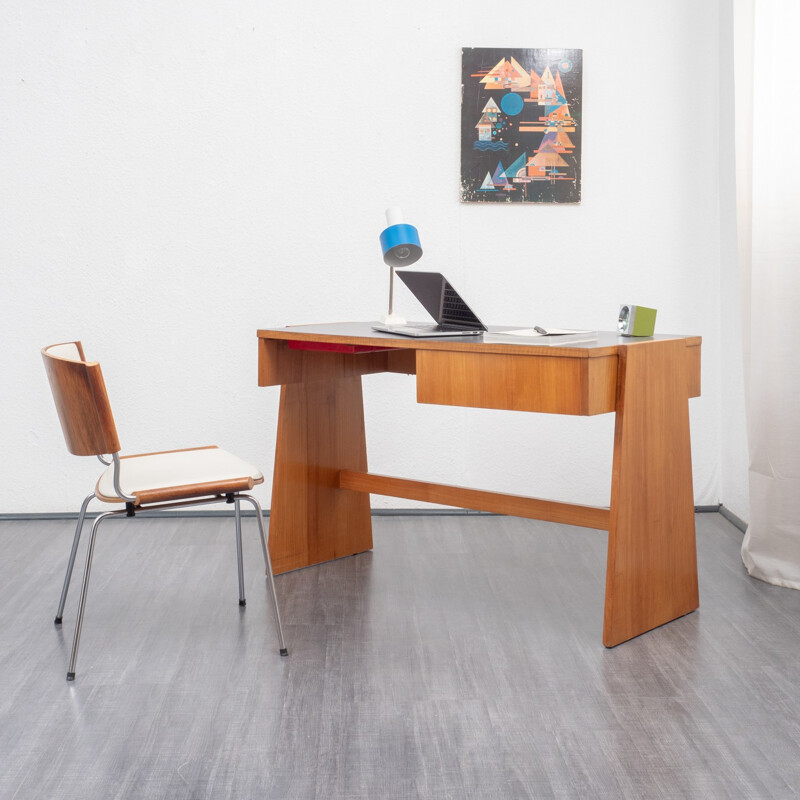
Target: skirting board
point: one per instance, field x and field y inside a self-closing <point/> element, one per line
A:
<point x="376" y="512"/>
<point x="733" y="519"/>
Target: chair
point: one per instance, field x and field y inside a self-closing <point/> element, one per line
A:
<point x="146" y="482"/>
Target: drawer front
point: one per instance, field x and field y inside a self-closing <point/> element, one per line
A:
<point x="550" y="384"/>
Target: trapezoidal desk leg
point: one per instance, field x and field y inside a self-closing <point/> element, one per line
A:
<point x="651" y="575"/>
<point x="320" y="432"/>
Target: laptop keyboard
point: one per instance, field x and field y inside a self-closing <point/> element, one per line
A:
<point x="455" y="311"/>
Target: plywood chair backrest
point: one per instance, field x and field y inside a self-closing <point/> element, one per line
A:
<point x="81" y="400"/>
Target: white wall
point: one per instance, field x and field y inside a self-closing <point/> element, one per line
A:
<point x="175" y="175"/>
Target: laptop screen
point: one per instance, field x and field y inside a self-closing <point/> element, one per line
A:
<point x="440" y="299"/>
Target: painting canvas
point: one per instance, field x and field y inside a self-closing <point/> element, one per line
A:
<point x="521" y="125"/>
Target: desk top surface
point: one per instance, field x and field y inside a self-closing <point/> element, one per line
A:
<point x="576" y="346"/>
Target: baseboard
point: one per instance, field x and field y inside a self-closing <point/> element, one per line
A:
<point x="733" y="519"/>
<point x="376" y="512"/>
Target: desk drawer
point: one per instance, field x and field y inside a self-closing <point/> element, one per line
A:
<point x="551" y="384"/>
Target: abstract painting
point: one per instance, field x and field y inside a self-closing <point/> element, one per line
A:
<point x="521" y="125"/>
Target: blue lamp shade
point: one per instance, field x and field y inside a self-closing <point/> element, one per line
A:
<point x="400" y="245"/>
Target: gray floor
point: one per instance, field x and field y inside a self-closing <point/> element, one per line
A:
<point x="460" y="659"/>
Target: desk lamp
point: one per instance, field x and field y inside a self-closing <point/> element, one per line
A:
<point x="401" y="248"/>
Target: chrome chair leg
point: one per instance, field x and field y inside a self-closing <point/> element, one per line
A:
<point x="268" y="569"/>
<point x="68" y="576"/>
<point x="84" y="587"/>
<point x="237" y="512"/>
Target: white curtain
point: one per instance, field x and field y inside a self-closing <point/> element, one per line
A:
<point x="767" y="80"/>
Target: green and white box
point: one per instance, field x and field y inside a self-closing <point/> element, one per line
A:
<point x="636" y="320"/>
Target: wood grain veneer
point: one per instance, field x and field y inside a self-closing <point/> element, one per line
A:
<point x="82" y="404"/>
<point x="651" y="574"/>
<point x="167" y="493"/>
<point x="320" y="433"/>
<point x="279" y="364"/>
<point x="693" y="367"/>
<point x="564" y="385"/>
<point x="477" y="499"/>
<point x="320" y="494"/>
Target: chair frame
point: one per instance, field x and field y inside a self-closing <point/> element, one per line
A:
<point x="88" y="425"/>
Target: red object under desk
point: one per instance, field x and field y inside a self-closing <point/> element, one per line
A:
<point x="332" y="347"/>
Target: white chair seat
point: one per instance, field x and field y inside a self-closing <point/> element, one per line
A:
<point x="178" y="474"/>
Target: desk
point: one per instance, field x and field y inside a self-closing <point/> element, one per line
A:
<point x="320" y="497"/>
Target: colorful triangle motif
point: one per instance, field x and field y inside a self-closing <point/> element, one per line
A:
<point x="524" y="78"/>
<point x="487" y="185"/>
<point x="518" y="165"/>
<point x="496" y="69"/>
<point x="499" y="178"/>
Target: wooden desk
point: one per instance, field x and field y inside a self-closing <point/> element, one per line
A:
<point x="320" y="496"/>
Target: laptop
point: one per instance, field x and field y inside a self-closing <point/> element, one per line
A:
<point x="453" y="316"/>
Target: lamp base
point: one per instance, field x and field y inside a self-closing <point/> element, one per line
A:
<point x="393" y="319"/>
